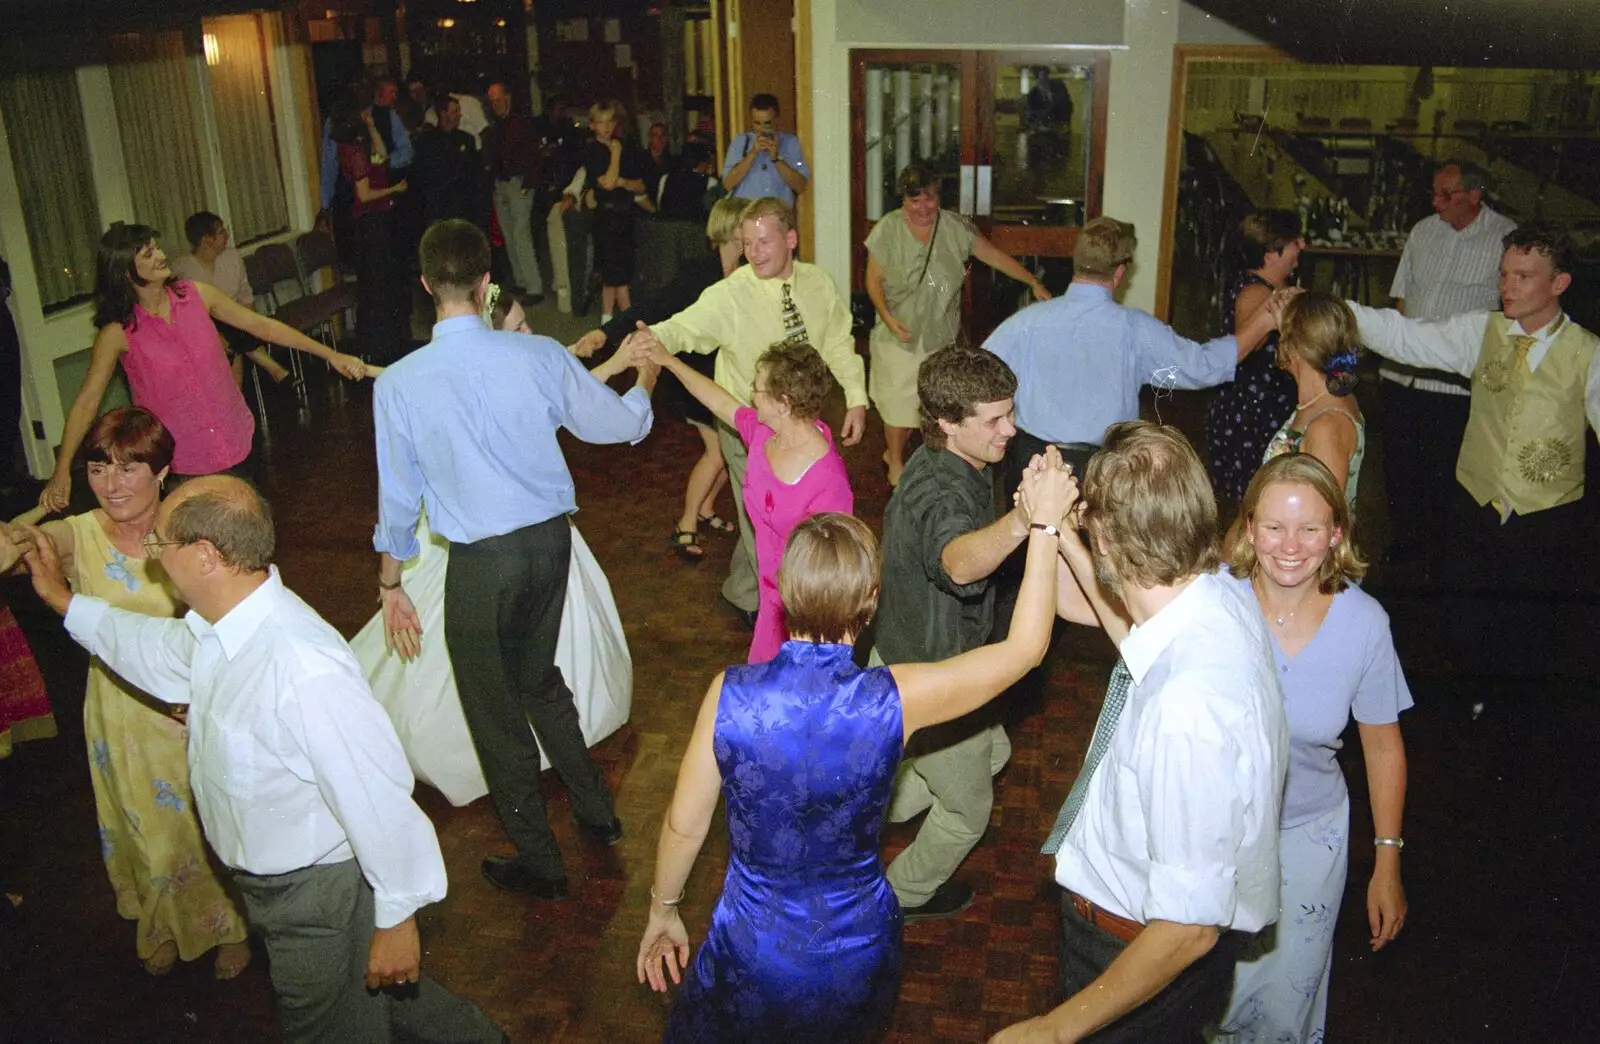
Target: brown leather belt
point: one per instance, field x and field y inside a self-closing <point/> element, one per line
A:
<point x="1121" y="927"/>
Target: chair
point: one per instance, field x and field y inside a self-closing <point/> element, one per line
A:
<point x="267" y="267"/>
<point x="1355" y="123"/>
<point x="313" y="253"/>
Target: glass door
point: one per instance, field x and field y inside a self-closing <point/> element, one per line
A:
<point x="1019" y="136"/>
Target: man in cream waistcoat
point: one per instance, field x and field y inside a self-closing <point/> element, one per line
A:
<point x="1519" y="528"/>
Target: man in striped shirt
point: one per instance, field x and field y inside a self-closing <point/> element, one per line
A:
<point x="1451" y="264"/>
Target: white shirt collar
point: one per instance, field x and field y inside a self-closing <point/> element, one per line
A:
<point x="243" y="620"/>
<point x="1544" y="333"/>
<point x="1147" y="641"/>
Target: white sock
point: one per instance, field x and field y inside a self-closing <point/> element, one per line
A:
<point x="605" y="317"/>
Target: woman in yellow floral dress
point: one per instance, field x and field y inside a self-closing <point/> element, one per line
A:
<point x="160" y="868"/>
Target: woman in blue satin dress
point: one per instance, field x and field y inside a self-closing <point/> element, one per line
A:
<point x="804" y="942"/>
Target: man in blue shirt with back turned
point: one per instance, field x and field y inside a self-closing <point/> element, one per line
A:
<point x="466" y="426"/>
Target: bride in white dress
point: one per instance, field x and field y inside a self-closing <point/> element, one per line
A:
<point x="420" y="696"/>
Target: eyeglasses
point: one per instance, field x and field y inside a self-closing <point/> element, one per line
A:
<point x="152" y="545"/>
<point x="1450" y="193"/>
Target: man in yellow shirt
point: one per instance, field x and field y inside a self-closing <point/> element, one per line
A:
<point x="772" y="299"/>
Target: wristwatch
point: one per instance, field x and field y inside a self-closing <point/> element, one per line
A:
<point x="1054" y="531"/>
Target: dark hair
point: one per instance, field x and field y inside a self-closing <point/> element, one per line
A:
<point x="1264" y="232"/>
<point x="1547" y="238"/>
<point x="1473" y="177"/>
<point x="410" y="114"/>
<point x="695" y="153"/>
<point x="201" y="223"/>
<point x="1148" y="505"/>
<point x="916" y="179"/>
<point x="765" y="101"/>
<point x="828" y="579"/>
<point x="797" y="375"/>
<point x="239" y="525"/>
<point x="953" y="382"/>
<point x="345" y="125"/>
<point x="114" y="276"/>
<point x="454" y="257"/>
<point x="129" y="435"/>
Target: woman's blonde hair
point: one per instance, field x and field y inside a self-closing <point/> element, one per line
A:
<point x="1344" y="564"/>
<point x="602" y="110"/>
<point x="726" y="216"/>
<point x="828" y="579"/>
<point x="1322" y="330"/>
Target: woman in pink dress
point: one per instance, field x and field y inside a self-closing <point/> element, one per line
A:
<point x="160" y="330"/>
<point x="794" y="471"/>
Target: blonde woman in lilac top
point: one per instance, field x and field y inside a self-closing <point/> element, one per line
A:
<point x="795" y="470"/>
<point x="1335" y="659"/>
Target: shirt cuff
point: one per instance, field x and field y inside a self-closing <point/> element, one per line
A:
<point x="390" y="910"/>
<point x="1186" y="896"/>
<point x="403" y="550"/>
<point x="84" y="616"/>
<point x="641" y="406"/>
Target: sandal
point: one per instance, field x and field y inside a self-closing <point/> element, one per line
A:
<point x="232" y="960"/>
<point x="686" y="543"/>
<point x="161" y="962"/>
<point x="718" y="524"/>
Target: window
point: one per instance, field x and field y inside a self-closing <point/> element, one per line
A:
<point x="247" y="135"/>
<point x="156" y="114"/>
<point x="50" y="153"/>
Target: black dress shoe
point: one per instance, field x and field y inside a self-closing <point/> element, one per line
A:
<point x="947" y="900"/>
<point x="508" y="875"/>
<point x="747" y="617"/>
<point x="607" y="834"/>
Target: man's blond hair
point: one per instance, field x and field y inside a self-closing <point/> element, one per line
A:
<point x="772" y="207"/>
<point x="1102" y="245"/>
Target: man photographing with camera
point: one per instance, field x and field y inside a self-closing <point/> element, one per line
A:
<point x="765" y="161"/>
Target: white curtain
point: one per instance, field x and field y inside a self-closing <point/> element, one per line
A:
<point x="50" y="153"/>
<point x="242" y="102"/>
<point x="157" y="115"/>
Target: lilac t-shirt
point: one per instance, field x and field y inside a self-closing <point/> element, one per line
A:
<point x="1348" y="667"/>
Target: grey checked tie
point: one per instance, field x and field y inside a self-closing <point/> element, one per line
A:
<point x="1110" y="711"/>
<point x="794" y="326"/>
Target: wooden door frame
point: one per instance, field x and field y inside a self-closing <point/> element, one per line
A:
<point x="1039" y="240"/>
<point x="1182" y="56"/>
<point x="860" y="58"/>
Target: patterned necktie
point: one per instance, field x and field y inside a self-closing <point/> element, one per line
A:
<point x="1110" y="711"/>
<point x="1523" y="343"/>
<point x="794" y="327"/>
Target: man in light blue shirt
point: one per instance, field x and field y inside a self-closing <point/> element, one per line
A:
<point x="466" y="426"/>
<point x="764" y="161"/>
<point x="1081" y="358"/>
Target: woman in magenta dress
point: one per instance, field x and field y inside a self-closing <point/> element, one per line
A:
<point x="794" y="471"/>
<point x="161" y="331"/>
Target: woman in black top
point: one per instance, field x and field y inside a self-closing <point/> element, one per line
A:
<point x="615" y="173"/>
<point x="709" y="474"/>
<point x="1246" y="412"/>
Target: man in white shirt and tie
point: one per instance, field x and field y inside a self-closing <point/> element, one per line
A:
<point x="1168" y="841"/>
<point x="298" y="776"/>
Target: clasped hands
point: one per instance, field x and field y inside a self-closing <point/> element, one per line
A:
<point x="1049" y="491"/>
<point x="1279" y="300"/>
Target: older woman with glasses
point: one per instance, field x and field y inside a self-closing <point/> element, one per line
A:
<point x="150" y="837"/>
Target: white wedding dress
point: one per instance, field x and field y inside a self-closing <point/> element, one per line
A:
<point x="421" y="698"/>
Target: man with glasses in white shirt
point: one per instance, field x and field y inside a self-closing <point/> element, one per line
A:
<point x="297" y="773"/>
<point x="1450" y="265"/>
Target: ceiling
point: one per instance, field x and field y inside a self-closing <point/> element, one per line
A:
<point x="1553" y="34"/>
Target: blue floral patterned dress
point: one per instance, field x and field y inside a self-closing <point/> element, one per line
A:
<point x="1245" y="413"/>
<point x="804" y="943"/>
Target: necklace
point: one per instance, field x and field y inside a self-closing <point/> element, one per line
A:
<point x="1309" y="402"/>
<point x="1280" y="619"/>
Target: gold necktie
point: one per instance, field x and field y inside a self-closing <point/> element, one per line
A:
<point x="1523" y="343"/>
<point x="794" y="326"/>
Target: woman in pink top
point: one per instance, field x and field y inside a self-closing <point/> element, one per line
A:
<point x="161" y="331"/>
<point x="794" y="471"/>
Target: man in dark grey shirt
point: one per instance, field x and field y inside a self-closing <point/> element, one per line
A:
<point x="941" y="542"/>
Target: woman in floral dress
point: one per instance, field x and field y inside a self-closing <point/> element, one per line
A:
<point x="150" y="839"/>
